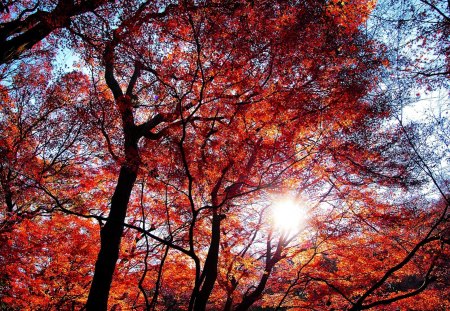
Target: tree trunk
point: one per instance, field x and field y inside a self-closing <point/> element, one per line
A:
<point x="111" y="235"/>
<point x="13" y="48"/>
<point x="249" y="300"/>
<point x="18" y="36"/>
<point x="228" y="303"/>
<point x="254" y="296"/>
<point x="210" y="269"/>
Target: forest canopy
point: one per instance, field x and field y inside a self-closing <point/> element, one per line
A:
<point x="224" y="155"/>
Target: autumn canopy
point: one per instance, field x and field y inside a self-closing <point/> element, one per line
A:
<point x="224" y="155"/>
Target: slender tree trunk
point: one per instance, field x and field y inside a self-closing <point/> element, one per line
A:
<point x="249" y="300"/>
<point x="210" y="269"/>
<point x="271" y="260"/>
<point x="111" y="235"/>
<point x="228" y="303"/>
<point x="158" y="281"/>
<point x="230" y="291"/>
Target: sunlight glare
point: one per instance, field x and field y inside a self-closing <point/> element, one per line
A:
<point x="288" y="215"/>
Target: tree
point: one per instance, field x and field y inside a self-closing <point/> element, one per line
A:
<point x="199" y="75"/>
<point x="25" y="24"/>
<point x="187" y="118"/>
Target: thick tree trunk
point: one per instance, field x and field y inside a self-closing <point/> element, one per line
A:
<point x="5" y="184"/>
<point x="111" y="235"/>
<point x="8" y="199"/>
<point x="18" y="36"/>
<point x="13" y="48"/>
<point x="9" y="202"/>
<point x="210" y="268"/>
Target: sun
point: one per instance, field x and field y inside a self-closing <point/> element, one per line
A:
<point x="288" y="215"/>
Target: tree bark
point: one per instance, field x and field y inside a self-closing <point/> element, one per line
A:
<point x="111" y="235"/>
<point x="228" y="303"/>
<point x="13" y="48"/>
<point x="7" y="193"/>
<point x="26" y="33"/>
<point x="271" y="260"/>
<point x="249" y="300"/>
<point x="210" y="269"/>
